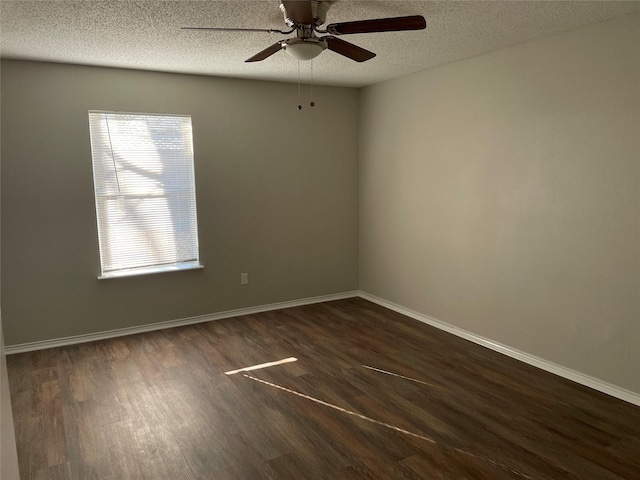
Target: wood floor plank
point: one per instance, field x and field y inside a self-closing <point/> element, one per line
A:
<point x="372" y="395"/>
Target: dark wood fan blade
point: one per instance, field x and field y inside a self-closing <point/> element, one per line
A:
<point x="267" y="52"/>
<point x="216" y="29"/>
<point x="395" y="24"/>
<point x="347" y="49"/>
<point x="298" y="11"/>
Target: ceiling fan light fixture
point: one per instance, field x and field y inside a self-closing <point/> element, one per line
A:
<point x="304" y="49"/>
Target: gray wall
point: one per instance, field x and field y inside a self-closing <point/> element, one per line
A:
<point x="276" y="197"/>
<point x="8" y="452"/>
<point x="501" y="194"/>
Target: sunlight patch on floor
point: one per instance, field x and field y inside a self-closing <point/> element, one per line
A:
<point x="262" y="365"/>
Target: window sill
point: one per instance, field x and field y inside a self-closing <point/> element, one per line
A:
<point x="134" y="272"/>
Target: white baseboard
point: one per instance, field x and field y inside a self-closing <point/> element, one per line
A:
<point x="121" y="332"/>
<point x="564" y="372"/>
<point x="581" y="378"/>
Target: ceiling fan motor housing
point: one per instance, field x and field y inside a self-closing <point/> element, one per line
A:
<point x="319" y="9"/>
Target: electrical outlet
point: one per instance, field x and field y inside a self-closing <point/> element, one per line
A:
<point x="244" y="279"/>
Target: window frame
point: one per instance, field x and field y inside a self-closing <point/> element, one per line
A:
<point x="150" y="268"/>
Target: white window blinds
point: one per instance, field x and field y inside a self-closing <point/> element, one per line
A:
<point x="145" y="192"/>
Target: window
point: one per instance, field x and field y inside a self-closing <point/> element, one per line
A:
<point x="145" y="192"/>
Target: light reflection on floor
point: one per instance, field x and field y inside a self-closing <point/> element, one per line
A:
<point x="340" y="409"/>
<point x="359" y="415"/>
<point x="262" y="365"/>
<point x="400" y="376"/>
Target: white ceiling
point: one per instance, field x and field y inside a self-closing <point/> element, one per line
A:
<point x="146" y="34"/>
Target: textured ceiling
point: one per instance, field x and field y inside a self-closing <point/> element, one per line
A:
<point x="146" y="34"/>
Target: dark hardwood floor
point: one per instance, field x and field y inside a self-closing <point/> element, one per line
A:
<point x="160" y="406"/>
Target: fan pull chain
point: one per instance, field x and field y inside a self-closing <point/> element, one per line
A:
<point x="299" y="101"/>
<point x="312" y="103"/>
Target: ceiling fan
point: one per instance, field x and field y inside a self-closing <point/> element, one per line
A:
<point x="304" y="17"/>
